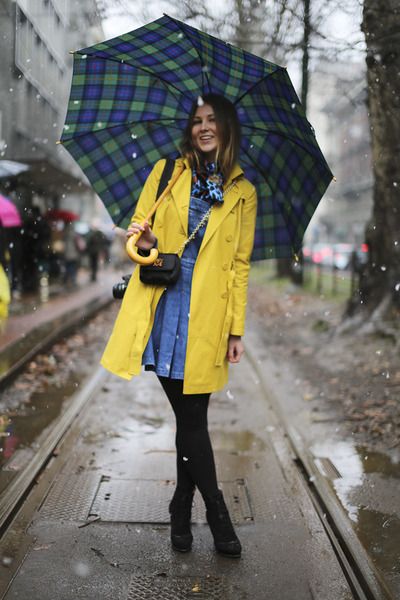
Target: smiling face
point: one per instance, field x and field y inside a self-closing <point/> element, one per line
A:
<point x="204" y="132"/>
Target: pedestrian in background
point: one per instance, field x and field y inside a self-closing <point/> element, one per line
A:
<point x="72" y="255"/>
<point x="95" y="242"/>
<point x="35" y="249"/>
<point x="187" y="333"/>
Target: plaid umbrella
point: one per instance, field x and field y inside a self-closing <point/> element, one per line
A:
<point x="129" y="103"/>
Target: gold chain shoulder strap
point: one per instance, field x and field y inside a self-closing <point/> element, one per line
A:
<point x="203" y="220"/>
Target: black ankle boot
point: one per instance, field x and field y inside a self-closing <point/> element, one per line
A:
<point x="225" y="539"/>
<point x="180" y="509"/>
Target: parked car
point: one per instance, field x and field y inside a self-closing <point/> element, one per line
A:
<point x="322" y="254"/>
<point x="338" y="255"/>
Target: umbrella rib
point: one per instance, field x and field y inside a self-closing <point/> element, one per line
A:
<point x="255" y="165"/>
<point x="284" y="135"/>
<point x="124" y="124"/>
<point x="180" y="25"/>
<point x="140" y="68"/>
<point x="256" y="83"/>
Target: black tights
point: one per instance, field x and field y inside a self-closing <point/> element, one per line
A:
<point x="194" y="454"/>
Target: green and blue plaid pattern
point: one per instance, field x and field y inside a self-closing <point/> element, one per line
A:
<point x="129" y="103"/>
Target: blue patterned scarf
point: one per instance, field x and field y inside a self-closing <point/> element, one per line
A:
<point x="208" y="184"/>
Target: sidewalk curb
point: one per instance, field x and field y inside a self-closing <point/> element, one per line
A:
<point x="17" y="491"/>
<point x="47" y="333"/>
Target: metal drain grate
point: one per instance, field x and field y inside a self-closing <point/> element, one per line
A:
<point x="182" y="588"/>
<point x="70" y="497"/>
<point x="146" y="501"/>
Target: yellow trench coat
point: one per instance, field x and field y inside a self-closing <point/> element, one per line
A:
<point x="219" y="285"/>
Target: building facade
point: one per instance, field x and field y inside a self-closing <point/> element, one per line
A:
<point x="36" y="37"/>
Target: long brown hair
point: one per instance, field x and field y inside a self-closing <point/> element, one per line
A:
<point x="228" y="128"/>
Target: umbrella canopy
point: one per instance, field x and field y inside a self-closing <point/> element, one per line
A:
<point x="9" y="215"/>
<point x="67" y="216"/>
<point x="10" y="168"/>
<point x="129" y="103"/>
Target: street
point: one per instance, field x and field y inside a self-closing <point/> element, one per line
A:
<point x="114" y="473"/>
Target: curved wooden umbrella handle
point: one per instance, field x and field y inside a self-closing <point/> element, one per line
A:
<point x="130" y="244"/>
<point x="133" y="254"/>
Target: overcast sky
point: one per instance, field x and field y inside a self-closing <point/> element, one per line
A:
<point x="340" y="25"/>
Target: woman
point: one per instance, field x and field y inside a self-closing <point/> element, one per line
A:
<point x="189" y="332"/>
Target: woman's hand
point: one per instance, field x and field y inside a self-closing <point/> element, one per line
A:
<point x="235" y="348"/>
<point x="146" y="240"/>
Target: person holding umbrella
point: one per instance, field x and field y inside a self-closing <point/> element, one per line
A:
<point x="188" y="332"/>
<point x="132" y="99"/>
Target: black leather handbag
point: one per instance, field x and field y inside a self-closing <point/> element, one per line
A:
<point x="164" y="271"/>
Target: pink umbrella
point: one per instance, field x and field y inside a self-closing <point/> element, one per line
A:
<point x="9" y="215"/>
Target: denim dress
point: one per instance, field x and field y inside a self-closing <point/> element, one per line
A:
<point x="166" y="349"/>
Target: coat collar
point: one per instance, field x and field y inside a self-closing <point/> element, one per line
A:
<point x="181" y="197"/>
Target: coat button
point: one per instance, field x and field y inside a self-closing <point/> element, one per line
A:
<point x="229" y="238"/>
<point x="224" y="295"/>
<point x="225" y="266"/>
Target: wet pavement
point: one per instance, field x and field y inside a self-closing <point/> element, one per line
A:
<point x="132" y="420"/>
<point x="367" y="484"/>
<point x="364" y="482"/>
<point x="99" y="527"/>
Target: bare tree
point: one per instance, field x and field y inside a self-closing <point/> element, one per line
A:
<point x="377" y="300"/>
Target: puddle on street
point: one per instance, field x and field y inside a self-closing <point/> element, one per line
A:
<point x="385" y="547"/>
<point x="236" y="441"/>
<point x="21" y="431"/>
<point x="359" y="469"/>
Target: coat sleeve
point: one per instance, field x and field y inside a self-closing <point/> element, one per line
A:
<point x="148" y="194"/>
<point x="242" y="262"/>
